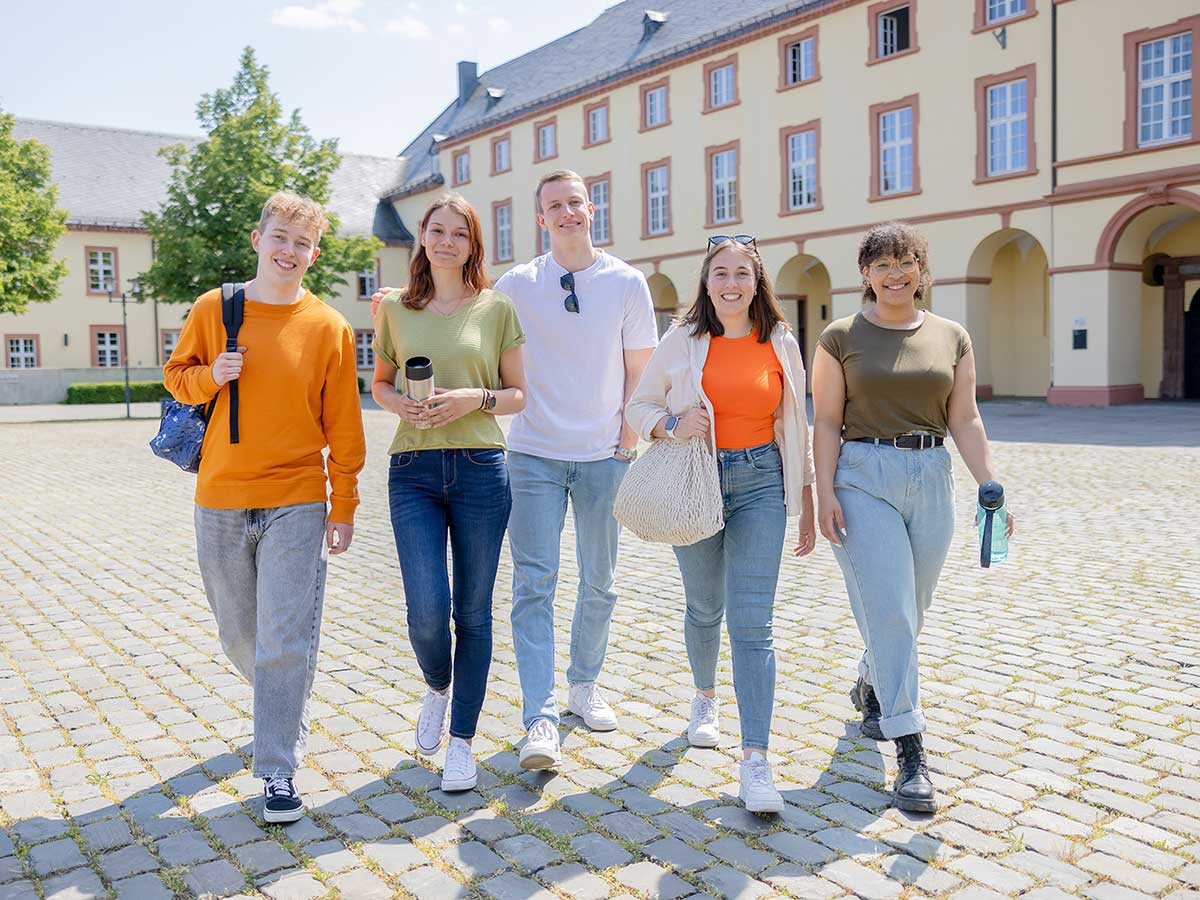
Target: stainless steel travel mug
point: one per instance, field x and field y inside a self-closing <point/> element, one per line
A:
<point x="418" y="380"/>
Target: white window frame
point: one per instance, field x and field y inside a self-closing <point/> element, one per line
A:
<point x="1171" y="91"/>
<point x="598" y="124"/>
<point x="656" y="106"/>
<point x="547" y="140"/>
<point x="722" y="84"/>
<point x="1003" y="10"/>
<point x="888" y="39"/>
<point x="504" y="241"/>
<point x="600" y="191"/>
<point x="502" y="150"/>
<point x="168" y="336"/>
<point x="1007" y="128"/>
<point x="724" y="186"/>
<point x="368" y="281"/>
<point x="364" y="353"/>
<point x="802" y="169"/>
<point x="658" y="200"/>
<point x="462" y="168"/>
<point x="21" y="353"/>
<point x="108" y="349"/>
<point x="101" y="270"/>
<point x="543" y="241"/>
<point x="894" y="150"/>
<point x="801" y="60"/>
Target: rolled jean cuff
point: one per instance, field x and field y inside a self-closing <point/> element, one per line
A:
<point x="463" y="737"/>
<point x="278" y="773"/>
<point x="746" y="745"/>
<point x="906" y="723"/>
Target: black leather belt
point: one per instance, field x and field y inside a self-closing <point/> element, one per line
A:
<point x="918" y="441"/>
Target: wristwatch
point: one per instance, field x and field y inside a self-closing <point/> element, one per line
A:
<point x="670" y="425"/>
<point x="489" y="401"/>
<point x="628" y="455"/>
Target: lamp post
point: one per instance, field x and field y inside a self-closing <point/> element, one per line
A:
<point x="136" y="290"/>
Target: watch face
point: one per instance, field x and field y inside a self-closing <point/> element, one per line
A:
<point x="672" y="421"/>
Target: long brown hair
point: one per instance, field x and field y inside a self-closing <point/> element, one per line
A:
<point x="420" y="280"/>
<point x="764" y="307"/>
<point x="895" y="239"/>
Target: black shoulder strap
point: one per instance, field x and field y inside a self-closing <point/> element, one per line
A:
<point x="233" y="310"/>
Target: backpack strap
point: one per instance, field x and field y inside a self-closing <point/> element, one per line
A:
<point x="233" y="310"/>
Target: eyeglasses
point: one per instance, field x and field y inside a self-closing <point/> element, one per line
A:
<point x="570" y="302"/>
<point x="881" y="268"/>
<point x="746" y="239"/>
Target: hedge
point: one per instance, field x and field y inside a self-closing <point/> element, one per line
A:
<point x="114" y="392"/>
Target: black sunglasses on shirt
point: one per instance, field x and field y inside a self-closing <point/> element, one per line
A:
<point x="571" y="301"/>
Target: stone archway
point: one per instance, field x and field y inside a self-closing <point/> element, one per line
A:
<point x="666" y="301"/>
<point x="804" y="292"/>
<point x="1191" y="349"/>
<point x="1180" y="327"/>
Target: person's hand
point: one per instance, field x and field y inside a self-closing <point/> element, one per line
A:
<point x="406" y="408"/>
<point x="446" y="406"/>
<point x="338" y="536"/>
<point x="228" y="367"/>
<point x="808" y="527"/>
<point x="692" y="424"/>
<point x="376" y="298"/>
<point x="831" y="520"/>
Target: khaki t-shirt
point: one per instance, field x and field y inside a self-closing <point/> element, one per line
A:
<point x="897" y="380"/>
<point x="465" y="349"/>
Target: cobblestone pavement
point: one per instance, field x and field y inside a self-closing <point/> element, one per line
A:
<point x="1061" y="691"/>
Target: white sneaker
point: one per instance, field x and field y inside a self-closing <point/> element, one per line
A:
<point x="431" y="724"/>
<point x="459" y="772"/>
<point x="756" y="789"/>
<point x="704" y="727"/>
<point x="586" y="701"/>
<point x="541" y="746"/>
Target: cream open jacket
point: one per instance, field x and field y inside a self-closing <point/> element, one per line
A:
<point x="671" y="385"/>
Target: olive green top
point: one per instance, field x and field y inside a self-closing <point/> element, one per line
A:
<point x="897" y="379"/>
<point x="465" y="349"/>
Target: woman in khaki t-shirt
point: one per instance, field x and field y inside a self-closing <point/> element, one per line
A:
<point x="889" y="383"/>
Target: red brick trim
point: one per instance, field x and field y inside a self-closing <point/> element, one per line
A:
<point x="874" y="113"/>
<point x="506" y="136"/>
<point x="512" y="231"/>
<point x="162" y="342"/>
<point x="646" y="167"/>
<point x="93" y="330"/>
<point x="588" y="182"/>
<point x="784" y="181"/>
<point x="1105" y="157"/>
<point x="709" y="153"/>
<point x="982" y="84"/>
<point x="1106" y="247"/>
<point x="1104" y="395"/>
<point x="1156" y="180"/>
<point x="378" y="274"/>
<point x="731" y="59"/>
<point x="873" y="13"/>
<point x="1095" y="267"/>
<point x="794" y="38"/>
<point x="87" y="272"/>
<point x="970" y="279"/>
<point x="643" y="90"/>
<point x="982" y="24"/>
<point x="537" y="138"/>
<point x="1131" y="40"/>
<point x="466" y="151"/>
<point x="587" y="111"/>
<point x="37" y="347"/>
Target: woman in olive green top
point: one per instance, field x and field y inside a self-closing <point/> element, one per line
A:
<point x="448" y="473"/>
<point x="889" y="383"/>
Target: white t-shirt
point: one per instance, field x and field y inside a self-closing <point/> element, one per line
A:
<point x="575" y="363"/>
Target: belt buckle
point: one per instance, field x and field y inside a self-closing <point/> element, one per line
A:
<point x="919" y="435"/>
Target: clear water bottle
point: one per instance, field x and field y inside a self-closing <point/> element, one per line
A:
<point x="992" y="517"/>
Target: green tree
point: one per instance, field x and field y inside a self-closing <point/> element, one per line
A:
<point x="30" y="223"/>
<point x="218" y="187"/>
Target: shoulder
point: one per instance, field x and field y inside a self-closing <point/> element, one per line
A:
<point x="207" y="304"/>
<point x="675" y="340"/>
<point x="947" y="326"/>
<point x="327" y="316"/>
<point x="523" y="273"/>
<point x="492" y="302"/>
<point x="619" y="270"/>
<point x="839" y="328"/>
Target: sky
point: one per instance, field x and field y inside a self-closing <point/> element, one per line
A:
<point x="372" y="73"/>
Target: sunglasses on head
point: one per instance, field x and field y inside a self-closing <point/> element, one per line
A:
<point x="746" y="239"/>
<point x="570" y="302"/>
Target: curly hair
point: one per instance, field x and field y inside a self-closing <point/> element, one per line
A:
<point x="894" y="239"/>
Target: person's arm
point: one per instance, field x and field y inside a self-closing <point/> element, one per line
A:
<point x="635" y="365"/>
<point x="446" y="406"/>
<point x="966" y="425"/>
<point x="191" y="373"/>
<point x="341" y="417"/>
<point x="829" y="406"/>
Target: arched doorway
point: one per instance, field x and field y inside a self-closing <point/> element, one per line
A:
<point x="1191" y="351"/>
<point x="666" y="301"/>
<point x="803" y="289"/>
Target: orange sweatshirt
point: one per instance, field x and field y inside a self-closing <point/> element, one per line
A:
<point x="298" y="393"/>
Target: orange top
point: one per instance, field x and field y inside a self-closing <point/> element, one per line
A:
<point x="297" y="394"/>
<point x="744" y="382"/>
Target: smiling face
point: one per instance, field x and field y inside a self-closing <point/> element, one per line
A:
<point x="566" y="212"/>
<point x="285" y="250"/>
<point x="446" y="239"/>
<point x="731" y="283"/>
<point x="894" y="280"/>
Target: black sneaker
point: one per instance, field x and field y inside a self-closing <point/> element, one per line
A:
<point x="913" y="791"/>
<point x="282" y="801"/>
<point x="862" y="695"/>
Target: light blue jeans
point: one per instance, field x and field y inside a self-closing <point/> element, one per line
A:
<point x="899" y="511"/>
<point x="734" y="573"/>
<point x="264" y="574"/>
<point x="540" y="491"/>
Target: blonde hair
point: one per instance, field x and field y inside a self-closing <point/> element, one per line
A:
<point x="557" y="175"/>
<point x="292" y="208"/>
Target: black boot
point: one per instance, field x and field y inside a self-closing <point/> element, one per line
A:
<point x="863" y="697"/>
<point x="913" y="791"/>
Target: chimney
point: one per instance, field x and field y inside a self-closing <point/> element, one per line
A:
<point x="651" y="22"/>
<point x="468" y="78"/>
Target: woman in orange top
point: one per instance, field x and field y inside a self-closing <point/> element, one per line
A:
<point x="730" y="372"/>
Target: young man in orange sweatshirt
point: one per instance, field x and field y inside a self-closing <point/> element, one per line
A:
<point x="263" y="529"/>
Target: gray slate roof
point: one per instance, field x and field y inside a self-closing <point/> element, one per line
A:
<point x="109" y="176"/>
<point x="608" y="49"/>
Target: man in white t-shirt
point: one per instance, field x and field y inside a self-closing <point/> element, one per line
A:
<point x="589" y="326"/>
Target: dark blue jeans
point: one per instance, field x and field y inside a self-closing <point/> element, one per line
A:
<point x="463" y="493"/>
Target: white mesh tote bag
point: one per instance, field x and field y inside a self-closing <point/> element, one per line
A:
<point x="672" y="494"/>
